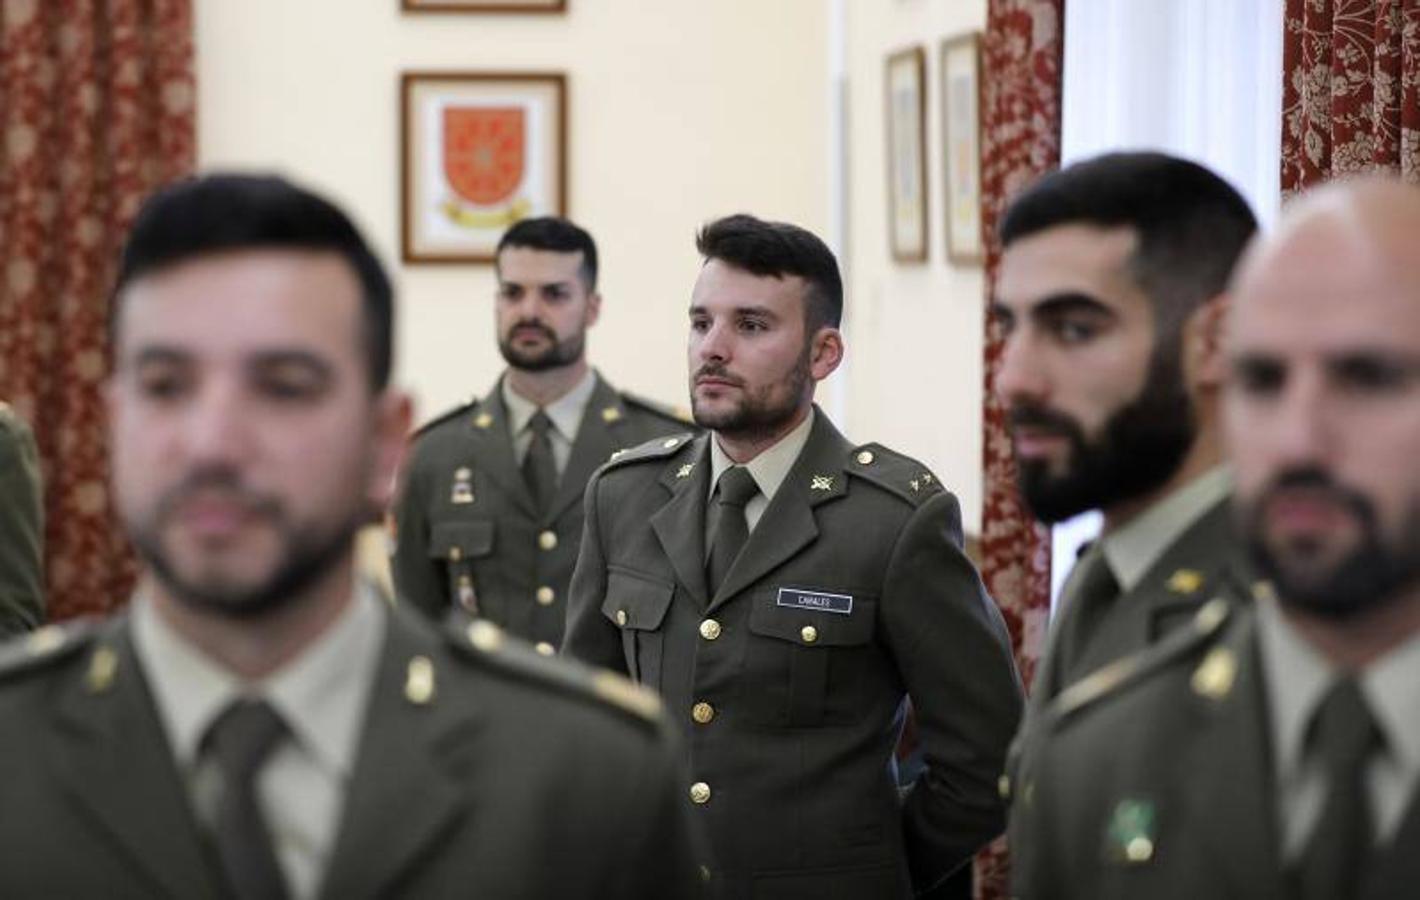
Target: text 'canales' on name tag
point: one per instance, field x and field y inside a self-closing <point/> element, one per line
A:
<point x="818" y="601"/>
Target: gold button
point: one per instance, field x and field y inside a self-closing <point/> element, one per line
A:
<point x="455" y="554"/>
<point x="545" y="648"/>
<point x="702" y="713"/>
<point x="704" y="873"/>
<point x="545" y="596"/>
<point x="670" y="442"/>
<point x="809" y="634"/>
<point x="547" y="540"/>
<point x="865" y="458"/>
<point x="621" y="617"/>
<point x="700" y="793"/>
<point x="709" y="629"/>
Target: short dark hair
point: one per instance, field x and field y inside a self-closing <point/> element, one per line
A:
<point x="1192" y="225"/>
<point x="777" y="249"/>
<point x="558" y="235"/>
<point x="219" y="213"/>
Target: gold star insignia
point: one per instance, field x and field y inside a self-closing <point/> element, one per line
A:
<point x="821" y="483"/>
<point x="1214" y="676"/>
<point x="685" y="470"/>
<point x="915" y="484"/>
<point x="926" y="477"/>
<point x="1185" y="581"/>
<point x="611" y="414"/>
<point x="483" y="420"/>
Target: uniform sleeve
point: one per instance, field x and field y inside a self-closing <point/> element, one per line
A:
<point x="953" y="651"/>
<point x="418" y="579"/>
<point x="21" y="531"/>
<point x="590" y="636"/>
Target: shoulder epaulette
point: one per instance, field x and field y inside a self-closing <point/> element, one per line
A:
<point x="489" y="645"/>
<point x="44" y="647"/>
<point x="468" y="406"/>
<point x="1180" y="644"/>
<point x="656" y="448"/>
<point x="678" y="414"/>
<point x="899" y="474"/>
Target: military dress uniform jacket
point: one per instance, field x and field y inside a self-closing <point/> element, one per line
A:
<point x="21" y="527"/>
<point x="851" y="593"/>
<point x="1186" y="575"/>
<point x="483" y="770"/>
<point x="468" y="533"/>
<point x="1153" y="778"/>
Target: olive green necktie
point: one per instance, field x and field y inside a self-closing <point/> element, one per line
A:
<point x="539" y="468"/>
<point x="240" y="741"/>
<point x="1344" y="737"/>
<point x="735" y="488"/>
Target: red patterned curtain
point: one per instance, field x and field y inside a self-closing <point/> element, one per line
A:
<point x="1351" y="89"/>
<point x="96" y="98"/>
<point x="1022" y="56"/>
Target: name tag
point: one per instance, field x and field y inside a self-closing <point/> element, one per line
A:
<point x="818" y="601"/>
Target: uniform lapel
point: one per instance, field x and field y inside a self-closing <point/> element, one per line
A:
<point x="1231" y="781"/>
<point x="405" y="790"/>
<point x="789" y="523"/>
<point x="597" y="440"/>
<point x="113" y="758"/>
<point x="493" y="440"/>
<point x="680" y="524"/>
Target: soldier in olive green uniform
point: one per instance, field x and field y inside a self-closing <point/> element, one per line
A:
<point x="491" y="512"/>
<point x="21" y="527"/>
<point x="1268" y="751"/>
<point x="258" y="725"/>
<point x="1112" y="283"/>
<point x="786" y="590"/>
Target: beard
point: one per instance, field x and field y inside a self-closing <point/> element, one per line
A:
<point x="1138" y="449"/>
<point x="308" y="553"/>
<point x="555" y="355"/>
<point x="759" y="413"/>
<point x="1370" y="576"/>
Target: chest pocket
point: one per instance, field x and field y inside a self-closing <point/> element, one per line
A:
<point x="459" y="545"/>
<point x="637" y="604"/>
<point x="807" y="666"/>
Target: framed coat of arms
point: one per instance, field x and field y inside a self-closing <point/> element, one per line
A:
<point x="480" y="150"/>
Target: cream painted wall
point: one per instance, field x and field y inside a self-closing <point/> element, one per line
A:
<point x="914" y="331"/>
<point x="680" y="111"/>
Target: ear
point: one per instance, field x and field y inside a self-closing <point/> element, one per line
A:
<point x="594" y="308"/>
<point x="1203" y="334"/>
<point x="825" y="353"/>
<point x="394" y="415"/>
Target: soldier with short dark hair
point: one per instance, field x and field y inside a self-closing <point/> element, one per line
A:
<point x="260" y="725"/>
<point x="786" y="591"/>
<point x="491" y="511"/>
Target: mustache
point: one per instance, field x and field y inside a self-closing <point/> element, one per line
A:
<point x="1315" y="481"/>
<point x="717" y="370"/>
<point x="219" y="481"/>
<point x="1027" y="416"/>
<point x="534" y="325"/>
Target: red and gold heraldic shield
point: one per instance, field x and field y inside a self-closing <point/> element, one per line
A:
<point x="484" y="152"/>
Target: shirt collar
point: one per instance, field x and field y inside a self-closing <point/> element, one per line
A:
<point x="565" y="412"/>
<point x="772" y="465"/>
<point x="1133" y="549"/>
<point x="321" y="695"/>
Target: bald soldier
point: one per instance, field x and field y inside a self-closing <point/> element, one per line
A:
<point x="490" y="516"/>
<point x="21" y="527"/>
<point x="260" y="726"/>
<point x="1272" y="751"/>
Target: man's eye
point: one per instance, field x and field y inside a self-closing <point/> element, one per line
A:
<point x="1259" y="377"/>
<point x="1074" y="331"/>
<point x="1373" y="375"/>
<point x="162" y="385"/>
<point x="699" y="325"/>
<point x="753" y="325"/>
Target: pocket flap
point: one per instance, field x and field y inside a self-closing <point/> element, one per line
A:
<point x="454" y="540"/>
<point x="635" y="601"/>
<point x="811" y="627"/>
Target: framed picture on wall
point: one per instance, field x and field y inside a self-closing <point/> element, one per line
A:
<point x="479" y="151"/>
<point x="489" y="6"/>
<point x="961" y="146"/>
<point x="907" y="155"/>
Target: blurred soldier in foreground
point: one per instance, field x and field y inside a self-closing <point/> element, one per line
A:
<point x="491" y="514"/>
<point x="1111" y="292"/>
<point x="1272" y="750"/>
<point x="786" y="590"/>
<point x="259" y="726"/>
<point x="21" y="527"/>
